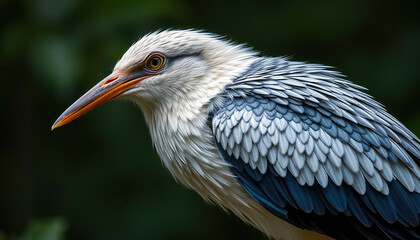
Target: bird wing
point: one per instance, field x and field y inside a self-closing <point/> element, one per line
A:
<point x="315" y="150"/>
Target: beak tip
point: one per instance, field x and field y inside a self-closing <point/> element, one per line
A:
<point x="56" y="124"/>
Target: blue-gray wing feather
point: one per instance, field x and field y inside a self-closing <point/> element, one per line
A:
<point x="320" y="142"/>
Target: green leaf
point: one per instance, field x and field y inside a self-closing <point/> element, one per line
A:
<point x="51" y="229"/>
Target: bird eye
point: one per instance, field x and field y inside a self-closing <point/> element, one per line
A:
<point x="155" y="61"/>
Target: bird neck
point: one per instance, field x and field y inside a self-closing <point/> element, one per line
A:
<point x="179" y="130"/>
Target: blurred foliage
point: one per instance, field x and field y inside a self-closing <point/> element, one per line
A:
<point x="52" y="229"/>
<point x="100" y="173"/>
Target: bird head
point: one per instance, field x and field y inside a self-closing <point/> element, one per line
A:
<point x="165" y="67"/>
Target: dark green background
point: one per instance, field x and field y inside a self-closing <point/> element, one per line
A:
<point x="100" y="173"/>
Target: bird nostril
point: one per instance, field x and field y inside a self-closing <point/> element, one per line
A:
<point x="109" y="80"/>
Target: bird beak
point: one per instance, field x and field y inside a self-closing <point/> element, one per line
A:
<point x="107" y="89"/>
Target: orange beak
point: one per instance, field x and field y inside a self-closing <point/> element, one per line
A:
<point x="105" y="90"/>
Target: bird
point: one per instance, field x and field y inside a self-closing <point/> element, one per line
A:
<point x="292" y="148"/>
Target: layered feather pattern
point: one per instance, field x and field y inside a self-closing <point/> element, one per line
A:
<point x="306" y="143"/>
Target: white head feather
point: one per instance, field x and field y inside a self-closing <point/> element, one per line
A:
<point x="205" y="62"/>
